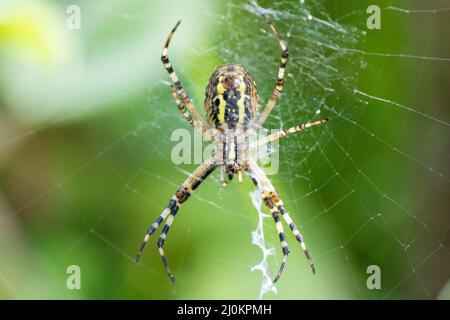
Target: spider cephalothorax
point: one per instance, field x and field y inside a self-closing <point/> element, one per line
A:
<point x="231" y="106"/>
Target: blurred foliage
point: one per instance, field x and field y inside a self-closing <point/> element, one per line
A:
<point x="85" y="123"/>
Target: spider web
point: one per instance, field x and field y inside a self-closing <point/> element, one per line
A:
<point x="370" y="188"/>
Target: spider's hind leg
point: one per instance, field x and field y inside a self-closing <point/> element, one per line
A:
<point x="182" y="194"/>
<point x="298" y="236"/>
<point x="284" y="246"/>
<point x="266" y="196"/>
<point x="173" y="205"/>
<point x="276" y="206"/>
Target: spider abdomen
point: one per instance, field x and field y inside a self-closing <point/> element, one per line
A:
<point x="231" y="98"/>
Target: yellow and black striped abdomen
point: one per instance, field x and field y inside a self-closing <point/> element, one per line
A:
<point x="231" y="98"/>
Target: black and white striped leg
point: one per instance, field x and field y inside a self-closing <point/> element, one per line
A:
<point x="177" y="84"/>
<point x="173" y="205"/>
<point x="280" y="79"/>
<point x="162" y="239"/>
<point x="183" y="193"/>
<point x="266" y="188"/>
<point x="182" y="108"/>
<point x="259" y="182"/>
<point x="284" y="246"/>
<point x="283" y="133"/>
<point x="296" y="232"/>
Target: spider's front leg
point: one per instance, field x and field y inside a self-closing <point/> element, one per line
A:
<point x="276" y="206"/>
<point x="182" y="194"/>
<point x="280" y="79"/>
<point x="178" y="90"/>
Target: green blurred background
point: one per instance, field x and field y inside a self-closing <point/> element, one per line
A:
<point x="86" y="118"/>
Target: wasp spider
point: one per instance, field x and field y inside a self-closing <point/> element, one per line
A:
<point x="231" y="106"/>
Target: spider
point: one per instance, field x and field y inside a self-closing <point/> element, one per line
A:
<point x="231" y="106"/>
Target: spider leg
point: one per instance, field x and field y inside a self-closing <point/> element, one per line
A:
<point x="280" y="80"/>
<point x="263" y="184"/>
<point x="284" y="246"/>
<point x="182" y="108"/>
<point x="173" y="206"/>
<point x="283" y="133"/>
<point x="161" y="241"/>
<point x="287" y="218"/>
<point x="182" y="194"/>
<point x="260" y="184"/>
<point x="177" y="84"/>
